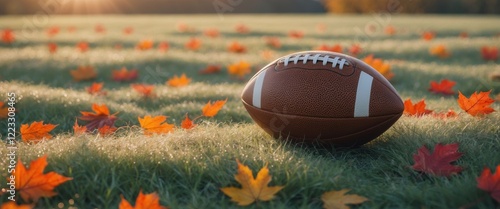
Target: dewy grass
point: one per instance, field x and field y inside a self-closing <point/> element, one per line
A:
<point x="187" y="168"/>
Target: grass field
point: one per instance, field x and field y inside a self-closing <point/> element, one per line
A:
<point x="187" y="168"/>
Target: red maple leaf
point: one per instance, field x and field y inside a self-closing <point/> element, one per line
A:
<point x="443" y="87"/>
<point x="439" y="162"/>
<point x="490" y="183"/>
<point x="99" y="118"/>
<point x="489" y="53"/>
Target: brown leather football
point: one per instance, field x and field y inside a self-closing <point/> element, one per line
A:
<point x="321" y="96"/>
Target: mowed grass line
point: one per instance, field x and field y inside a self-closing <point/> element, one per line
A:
<point x="187" y="168"/>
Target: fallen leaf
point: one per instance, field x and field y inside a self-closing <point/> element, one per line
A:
<point x="100" y="28"/>
<point x="211" y="109"/>
<point x="417" y="109"/>
<point x="443" y="87"/>
<point x="463" y="35"/>
<point x="36" y="131"/>
<point x="273" y="42"/>
<point x="143" y="89"/>
<point x="53" y="31"/>
<point x="155" y="125"/>
<point x="99" y="118"/>
<point x="355" y="50"/>
<point x="145" y="44"/>
<point x="163" y="46"/>
<point x="32" y="184"/>
<point x="96" y="89"/>
<point x="489" y="53"/>
<point x="14" y="205"/>
<point x="380" y="65"/>
<point x="106" y="130"/>
<point x="77" y="129"/>
<point x="439" y="162"/>
<point x="239" y="69"/>
<point x="236" y="47"/>
<point x="390" y="30"/>
<point x="210" y="69"/>
<point x="143" y="201"/>
<point x="439" y="51"/>
<point x="82" y="46"/>
<point x="124" y="75"/>
<point x="71" y="29"/>
<point x="187" y="123"/>
<point x="8" y="36"/>
<point x="428" y="35"/>
<point x="252" y="189"/>
<point x="339" y="199"/>
<point x="52" y="47"/>
<point x="211" y="32"/>
<point x="334" y="48"/>
<point x="118" y="47"/>
<point x="128" y="30"/>
<point x="193" y="44"/>
<point x="176" y="81"/>
<point x="490" y="182"/>
<point x="83" y="73"/>
<point x="477" y="104"/>
<point x="445" y="115"/>
<point x="295" y="34"/>
<point x="184" y="28"/>
<point x="242" y="29"/>
<point x="4" y="111"/>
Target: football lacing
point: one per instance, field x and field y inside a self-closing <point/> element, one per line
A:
<point x="315" y="58"/>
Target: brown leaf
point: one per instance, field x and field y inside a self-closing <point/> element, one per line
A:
<point x="83" y="73"/>
<point x="339" y="199"/>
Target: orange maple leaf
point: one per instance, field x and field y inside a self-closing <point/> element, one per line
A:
<point x="77" y="129"/>
<point x="446" y="115"/>
<point x="477" y="104"/>
<point x="210" y="69"/>
<point x="106" y="130"/>
<point x="211" y="109"/>
<point x="32" y="184"/>
<point x="13" y="205"/>
<point x="417" y="109"/>
<point x="143" y="201"/>
<point x="128" y="30"/>
<point x="155" y="125"/>
<point x="53" y="31"/>
<point x="296" y="34"/>
<point x="8" y="36"/>
<point x="124" y="75"/>
<point x="252" y="189"/>
<point x="83" y="73"/>
<point x="143" y="89"/>
<point x="380" y="65"/>
<point x="99" y="118"/>
<point x="489" y="53"/>
<point x="145" y="44"/>
<point x="193" y="44"/>
<point x="239" y="69"/>
<point x="439" y="51"/>
<point x="439" y="162"/>
<point x="334" y="48"/>
<point x="176" y="81"/>
<point x="36" y="131"/>
<point x="355" y="50"/>
<point x="242" y="29"/>
<point x="211" y="32"/>
<point x="52" y="47"/>
<point x="4" y="111"/>
<point x="96" y="88"/>
<point x="236" y="47"/>
<point x="82" y="46"/>
<point x="444" y="87"/>
<point x="390" y="30"/>
<point x="273" y="42"/>
<point x="187" y="123"/>
<point x="100" y="28"/>
<point x="428" y="35"/>
<point x="163" y="46"/>
<point x="490" y="182"/>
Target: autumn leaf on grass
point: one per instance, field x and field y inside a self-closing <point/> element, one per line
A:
<point x="295" y="34"/>
<point x="187" y="123"/>
<point x="96" y="89"/>
<point x="333" y="48"/>
<point x="211" y="32"/>
<point x="184" y="28"/>
<point x="390" y="30"/>
<point x="36" y="131"/>
<point x="177" y="81"/>
<point x="239" y="69"/>
<point x="193" y="44"/>
<point x="77" y="129"/>
<point x="477" y="104"/>
<point x="380" y="65"/>
<point x="252" y="189"/>
<point x="8" y="36"/>
<point x="145" y="44"/>
<point x="355" y="50"/>
<point x="445" y="115"/>
<point x="428" y="35"/>
<point x="321" y="28"/>
<point x="4" y="111"/>
<point x="339" y="199"/>
<point x="53" y="31"/>
<point x="143" y="89"/>
<point x="490" y="182"/>
<point x="463" y="35"/>
<point x="242" y="29"/>
<point x="106" y="130"/>
<point x="155" y="125"/>
<point x="236" y="47"/>
<point x="128" y="30"/>
<point x="273" y="42"/>
<point x="417" y="109"/>
<point x="444" y="87"/>
<point x="124" y="75"/>
<point x="143" y="201"/>
<point x="99" y="28"/>
<point x="99" y="118"/>
<point x="82" y="46"/>
<point x="439" y="51"/>
<point x="52" y="47"/>
<point x="210" y="69"/>
<point x="13" y="205"/>
<point x="32" y="184"/>
<point x="71" y="29"/>
<point x="489" y="53"/>
<point x="439" y="162"/>
<point x="163" y="46"/>
<point x="211" y="109"/>
<point x="83" y="73"/>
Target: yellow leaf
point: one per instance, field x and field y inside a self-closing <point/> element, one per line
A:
<point x="339" y="199"/>
<point x="252" y="189"/>
<point x="239" y="69"/>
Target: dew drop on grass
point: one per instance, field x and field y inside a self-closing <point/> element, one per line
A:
<point x="71" y="201"/>
<point x="60" y="205"/>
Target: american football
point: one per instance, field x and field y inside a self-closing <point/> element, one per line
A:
<point x="322" y="96"/>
